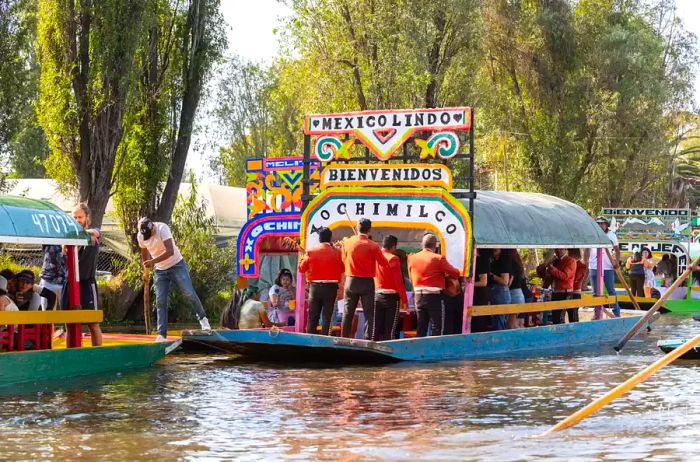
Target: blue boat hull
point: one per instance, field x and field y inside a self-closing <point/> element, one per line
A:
<point x="535" y="341"/>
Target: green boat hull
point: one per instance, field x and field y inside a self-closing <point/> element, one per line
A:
<point x="37" y="366"/>
<point x="682" y="306"/>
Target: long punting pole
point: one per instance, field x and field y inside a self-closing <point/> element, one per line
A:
<point x="74" y="339"/>
<point x="623" y="388"/>
<point x="622" y="279"/>
<point x="598" y="311"/>
<point x="642" y="321"/>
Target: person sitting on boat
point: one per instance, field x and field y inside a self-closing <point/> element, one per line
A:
<point x="251" y="312"/>
<point x="482" y="270"/>
<point x="280" y="295"/>
<point x="11" y="279"/>
<point x="390" y="293"/>
<point x="635" y="266"/>
<point x="6" y="303"/>
<point x="499" y="290"/>
<point x="324" y="267"/>
<point x="665" y="269"/>
<point x="608" y="265"/>
<point x="158" y="249"/>
<point x="361" y="256"/>
<point x="563" y="271"/>
<point x="580" y="276"/>
<point x="428" y="269"/>
<point x="29" y="296"/>
<point x="517" y="279"/>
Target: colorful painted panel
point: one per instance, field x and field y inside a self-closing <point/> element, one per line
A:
<point x="649" y="224"/>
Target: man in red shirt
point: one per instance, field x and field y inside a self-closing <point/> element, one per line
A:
<point x="389" y="291"/>
<point x="427" y="269"/>
<point x="563" y="270"/>
<point x="324" y="266"/>
<point x="361" y="256"/>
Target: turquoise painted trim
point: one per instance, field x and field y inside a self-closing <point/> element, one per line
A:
<point x="534" y="341"/>
<point x="34" y="366"/>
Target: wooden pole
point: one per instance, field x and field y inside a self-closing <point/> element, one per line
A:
<point x="147" y="299"/>
<point x="623" y="388"/>
<point x="621" y="344"/>
<point x="622" y="279"/>
<point x="351" y="225"/>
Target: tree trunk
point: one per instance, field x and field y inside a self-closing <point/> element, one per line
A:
<point x="194" y="69"/>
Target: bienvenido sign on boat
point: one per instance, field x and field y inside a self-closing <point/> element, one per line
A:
<point x="387" y="175"/>
<point x="647" y="212"/>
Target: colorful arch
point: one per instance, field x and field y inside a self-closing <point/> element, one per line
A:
<point x="255" y="231"/>
<point x="428" y="208"/>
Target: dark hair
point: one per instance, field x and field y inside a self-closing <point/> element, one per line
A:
<point x="365" y="225"/>
<point x="651" y="255"/>
<point x="7" y="274"/>
<point x="283" y="272"/>
<point x="514" y="257"/>
<point x="390" y="241"/>
<point x="637" y="256"/>
<point x="666" y="257"/>
<point x="575" y="253"/>
<point x="325" y="235"/>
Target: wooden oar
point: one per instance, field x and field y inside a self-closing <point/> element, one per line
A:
<point x="351" y="225"/>
<point x="621" y="344"/>
<point x="622" y="279"/>
<point x="623" y="388"/>
<point x="147" y="299"/>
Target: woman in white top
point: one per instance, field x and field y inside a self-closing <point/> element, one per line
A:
<point x="6" y="303"/>
<point x="252" y="314"/>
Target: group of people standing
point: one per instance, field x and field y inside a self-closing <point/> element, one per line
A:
<point x="372" y="276"/>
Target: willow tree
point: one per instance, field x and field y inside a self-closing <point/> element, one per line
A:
<point x="86" y="52"/>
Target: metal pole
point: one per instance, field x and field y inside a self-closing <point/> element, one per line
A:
<point x="74" y="334"/>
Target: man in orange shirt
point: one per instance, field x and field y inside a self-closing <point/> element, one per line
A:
<point x="361" y="256"/>
<point x="325" y="268"/>
<point x="427" y="269"/>
<point x="563" y="271"/>
<point x="389" y="290"/>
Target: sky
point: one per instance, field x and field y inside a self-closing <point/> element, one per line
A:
<point x="251" y="26"/>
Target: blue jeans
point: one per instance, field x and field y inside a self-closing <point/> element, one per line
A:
<point x="500" y="295"/>
<point x="180" y="276"/>
<point x="609" y="282"/>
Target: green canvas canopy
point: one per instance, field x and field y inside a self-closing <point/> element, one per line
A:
<point x="532" y="220"/>
<point x="31" y="221"/>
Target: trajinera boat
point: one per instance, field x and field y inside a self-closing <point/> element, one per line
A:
<point x="28" y="221"/>
<point x="668" y="345"/>
<point x="407" y="196"/>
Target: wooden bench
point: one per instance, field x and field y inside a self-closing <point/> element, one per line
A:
<point x="489" y="310"/>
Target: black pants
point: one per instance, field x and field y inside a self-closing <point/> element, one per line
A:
<point x="429" y="309"/>
<point x="454" y="313"/>
<point x="637" y="284"/>
<point x="558" y="315"/>
<point x="321" y="303"/>
<point x="356" y="289"/>
<point x="386" y="316"/>
<point x="572" y="313"/>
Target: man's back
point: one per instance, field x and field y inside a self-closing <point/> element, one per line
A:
<point x="361" y="256"/>
<point x="428" y="269"/>
<point x="323" y="262"/>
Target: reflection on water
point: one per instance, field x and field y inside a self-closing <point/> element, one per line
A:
<point x="217" y="407"/>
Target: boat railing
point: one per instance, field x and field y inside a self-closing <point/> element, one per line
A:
<point x="488" y="310"/>
<point x="36" y="327"/>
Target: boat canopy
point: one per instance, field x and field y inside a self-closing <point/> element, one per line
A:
<point x="31" y="221"/>
<point x="532" y="220"/>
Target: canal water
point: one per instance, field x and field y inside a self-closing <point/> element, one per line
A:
<point x="198" y="407"/>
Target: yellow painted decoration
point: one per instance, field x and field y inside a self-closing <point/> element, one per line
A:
<point x="425" y="150"/>
<point x="344" y="151"/>
<point x="51" y="317"/>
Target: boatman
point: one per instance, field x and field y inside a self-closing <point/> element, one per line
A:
<point x="324" y="267"/>
<point x="428" y="269"/>
<point x="158" y="249"/>
<point x="389" y="292"/>
<point x="608" y="266"/>
<point x="562" y="271"/>
<point x="361" y="256"/>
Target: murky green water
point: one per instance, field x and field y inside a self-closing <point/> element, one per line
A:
<point x="193" y="407"/>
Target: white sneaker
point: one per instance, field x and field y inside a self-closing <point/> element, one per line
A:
<point x="204" y="322"/>
<point x="160" y="338"/>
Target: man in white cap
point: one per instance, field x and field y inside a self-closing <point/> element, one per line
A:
<point x="159" y="250"/>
